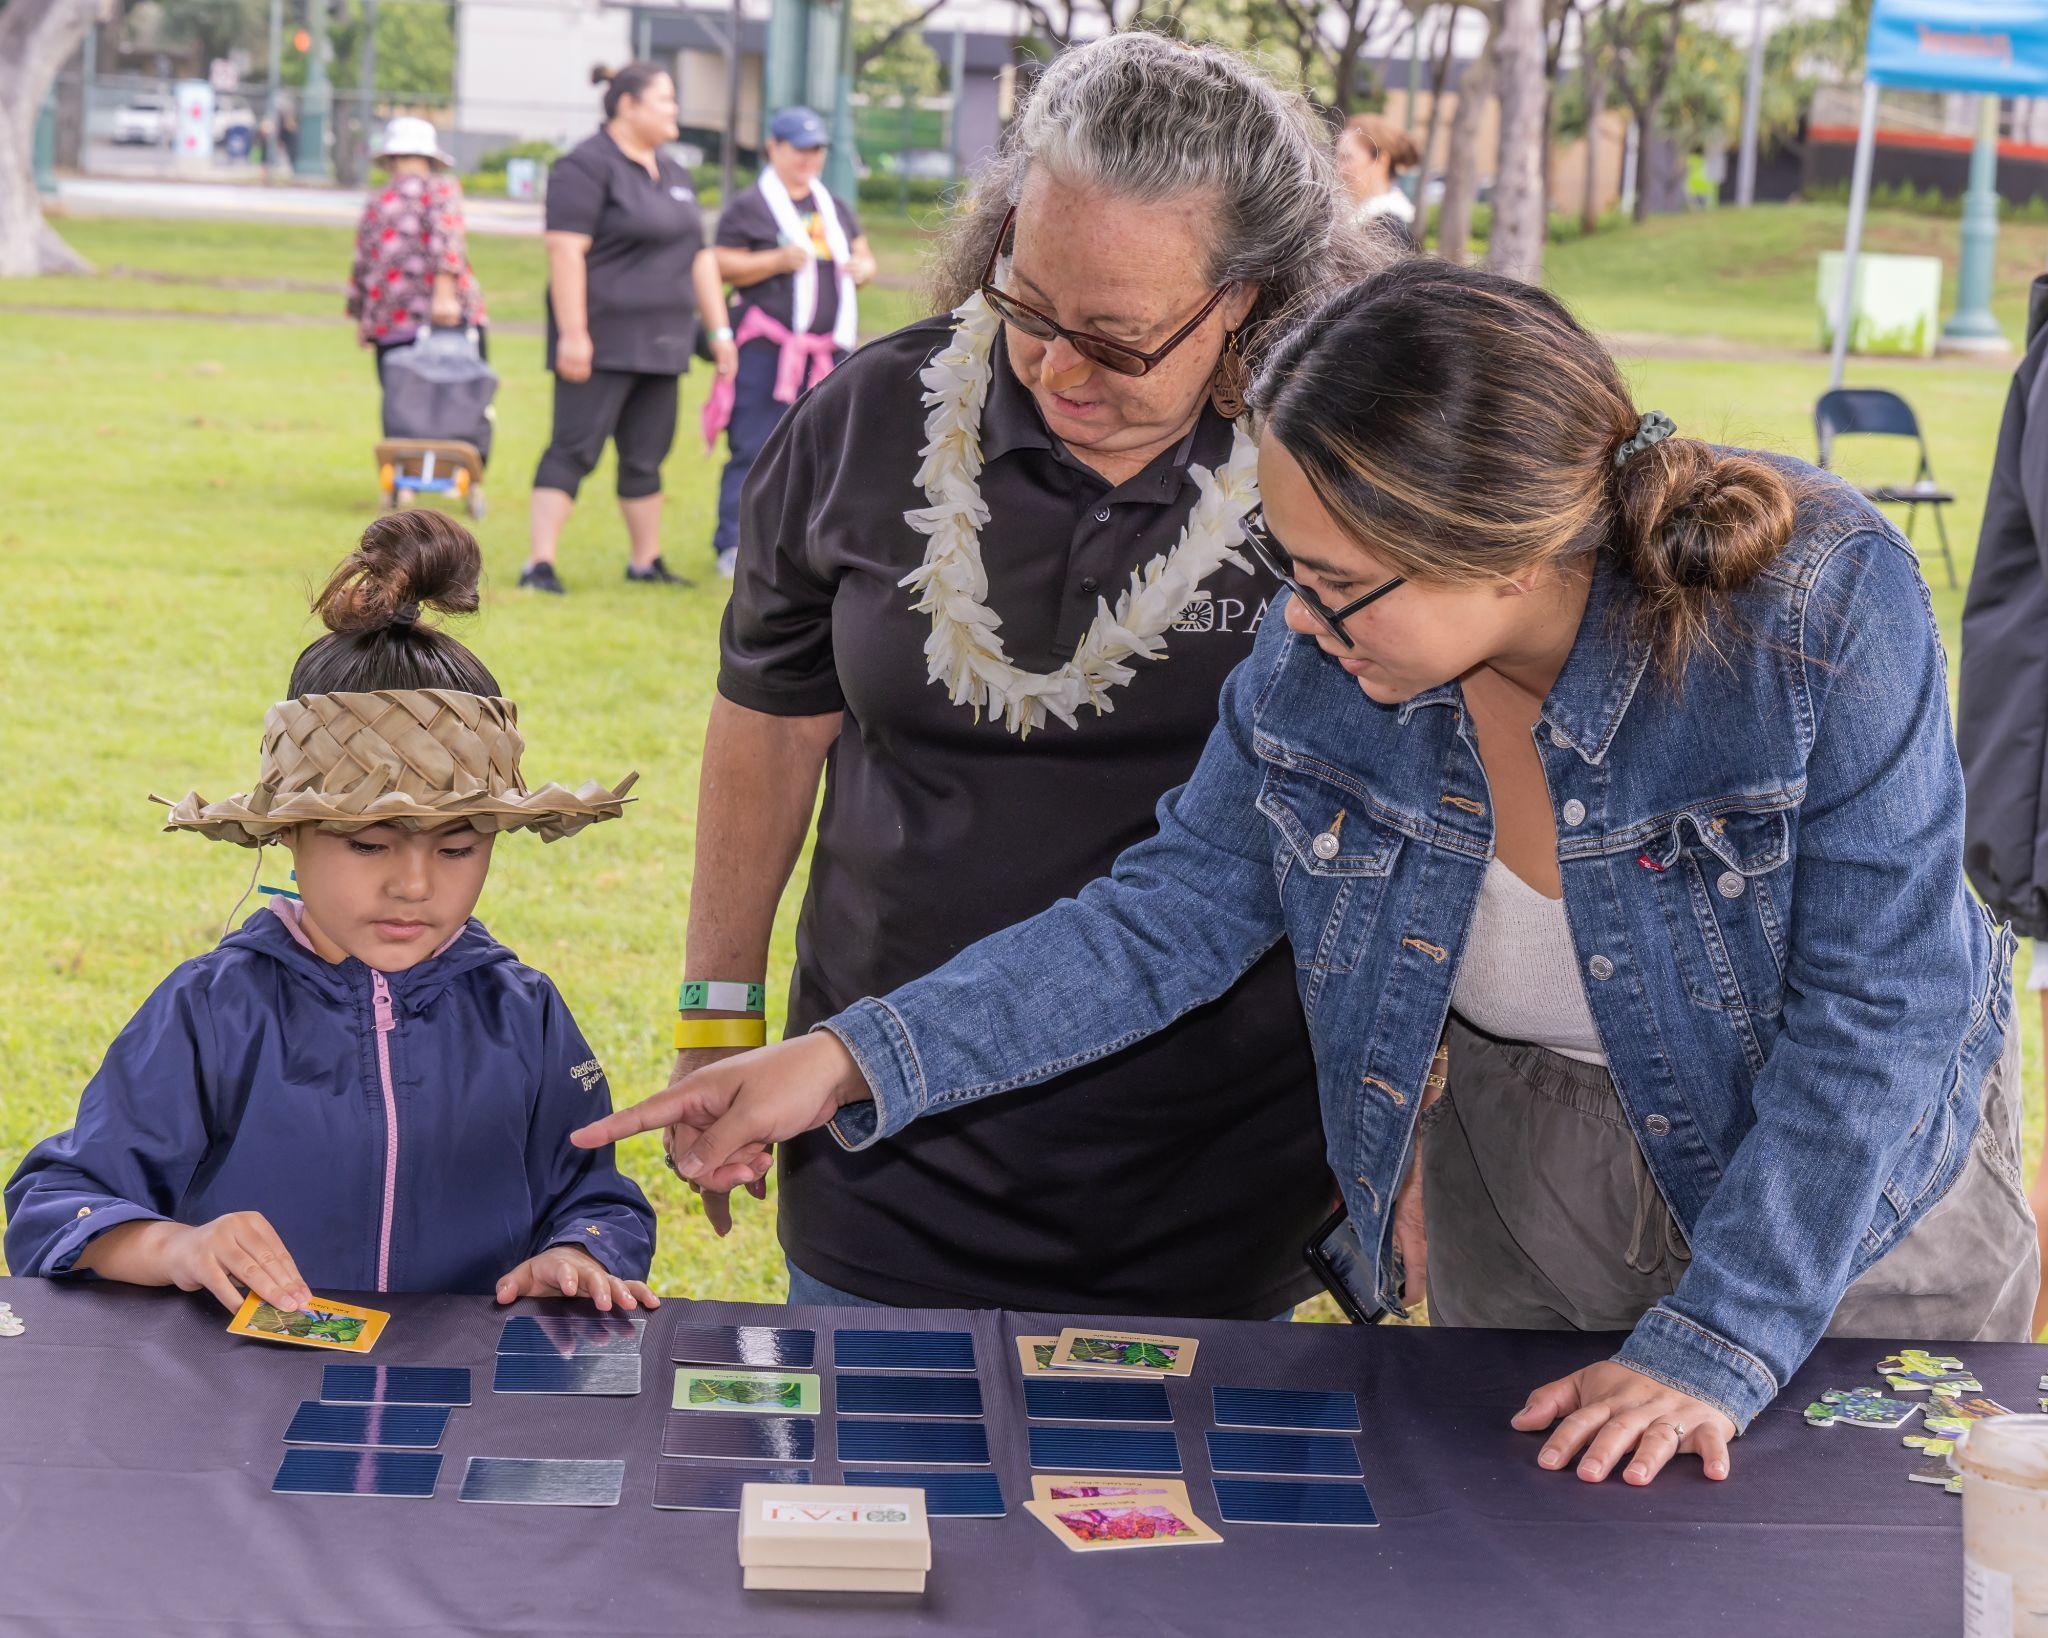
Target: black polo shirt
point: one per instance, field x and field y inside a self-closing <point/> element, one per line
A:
<point x="748" y="224"/>
<point x="644" y="232"/>
<point x="1180" y="1177"/>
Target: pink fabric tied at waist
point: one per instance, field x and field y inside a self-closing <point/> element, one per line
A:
<point x="790" y="371"/>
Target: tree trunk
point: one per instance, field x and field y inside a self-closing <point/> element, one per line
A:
<point x="37" y="37"/>
<point x="1439" y="74"/>
<point x="1596" y="111"/>
<point x="1520" y="212"/>
<point x="1461" y="164"/>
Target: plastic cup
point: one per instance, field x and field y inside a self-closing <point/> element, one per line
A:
<point x="2004" y="1464"/>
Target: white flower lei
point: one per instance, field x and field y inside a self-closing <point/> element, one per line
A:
<point x="964" y="655"/>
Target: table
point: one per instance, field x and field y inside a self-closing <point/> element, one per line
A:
<point x="138" y="1442"/>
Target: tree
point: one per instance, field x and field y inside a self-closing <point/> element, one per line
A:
<point x="1593" y="74"/>
<point x="1439" y="77"/>
<point x="1644" y="37"/>
<point x="210" y="28"/>
<point x="1520" y="211"/>
<point x="888" y="44"/>
<point x="1334" y="38"/>
<point x="1461" y="162"/>
<point x="37" y="37"/>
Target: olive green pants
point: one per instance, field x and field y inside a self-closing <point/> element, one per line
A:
<point x="1542" y="1214"/>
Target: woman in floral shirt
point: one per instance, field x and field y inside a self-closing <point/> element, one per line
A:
<point x="412" y="257"/>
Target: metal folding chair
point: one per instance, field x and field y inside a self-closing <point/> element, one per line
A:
<point x="1860" y="411"/>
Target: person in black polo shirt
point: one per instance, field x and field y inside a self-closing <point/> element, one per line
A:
<point x="795" y="255"/>
<point x="988" y="741"/>
<point x="626" y="252"/>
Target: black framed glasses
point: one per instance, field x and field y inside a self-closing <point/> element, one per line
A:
<point x="1111" y="355"/>
<point x="1280" y="565"/>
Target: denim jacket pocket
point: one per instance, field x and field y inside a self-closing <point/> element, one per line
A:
<point x="1331" y="859"/>
<point x="1723" y="887"/>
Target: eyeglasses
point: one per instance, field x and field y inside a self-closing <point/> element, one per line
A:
<point x="1281" y="566"/>
<point x="1111" y="355"/>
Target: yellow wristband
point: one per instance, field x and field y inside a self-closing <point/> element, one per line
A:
<point x="720" y="1032"/>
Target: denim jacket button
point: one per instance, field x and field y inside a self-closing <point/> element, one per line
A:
<point x="1731" y="885"/>
<point x="1325" y="846"/>
<point x="1600" y="967"/>
<point x="1559" y="738"/>
<point x="1657" y="1126"/>
<point x="1575" y="812"/>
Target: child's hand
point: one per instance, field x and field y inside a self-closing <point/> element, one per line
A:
<point x="570" y="1271"/>
<point x="240" y="1246"/>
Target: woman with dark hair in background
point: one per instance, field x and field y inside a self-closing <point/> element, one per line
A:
<point x="1620" y="763"/>
<point x="626" y="253"/>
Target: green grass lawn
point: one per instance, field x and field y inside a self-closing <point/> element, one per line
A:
<point x="176" y="484"/>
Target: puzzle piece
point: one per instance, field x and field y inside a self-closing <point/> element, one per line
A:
<point x="1918" y="1384"/>
<point x="1935" y="1470"/>
<point x="1928" y="1444"/>
<point x="1860" y="1407"/>
<point x="1948" y="1415"/>
<point x="1919" y="1362"/>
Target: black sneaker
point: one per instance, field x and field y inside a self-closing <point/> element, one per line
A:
<point x="656" y="573"/>
<point x="541" y="577"/>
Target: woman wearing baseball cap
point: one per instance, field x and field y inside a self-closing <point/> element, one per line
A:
<point x="794" y="255"/>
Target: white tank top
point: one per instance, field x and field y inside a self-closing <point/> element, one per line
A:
<point x="1519" y="977"/>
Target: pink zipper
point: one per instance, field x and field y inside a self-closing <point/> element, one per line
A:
<point x="381" y="999"/>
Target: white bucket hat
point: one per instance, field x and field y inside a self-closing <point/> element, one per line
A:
<point x="410" y="136"/>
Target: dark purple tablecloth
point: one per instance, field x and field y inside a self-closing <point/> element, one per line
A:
<point x="138" y="1441"/>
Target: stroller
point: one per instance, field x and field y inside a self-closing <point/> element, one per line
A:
<point x="437" y="419"/>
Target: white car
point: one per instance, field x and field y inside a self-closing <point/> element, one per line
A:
<point x="145" y="120"/>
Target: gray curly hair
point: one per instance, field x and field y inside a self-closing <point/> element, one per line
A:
<point x="1152" y="118"/>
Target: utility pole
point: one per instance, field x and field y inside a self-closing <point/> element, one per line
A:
<point x="1972" y="327"/>
<point x="273" y="68"/>
<point x="318" y="101"/>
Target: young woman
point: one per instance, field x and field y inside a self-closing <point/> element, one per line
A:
<point x="1371" y="152"/>
<point x="629" y="276"/>
<point x="359" y="1089"/>
<point x="1624" y="760"/>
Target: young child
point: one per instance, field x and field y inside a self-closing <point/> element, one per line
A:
<point x="360" y="1090"/>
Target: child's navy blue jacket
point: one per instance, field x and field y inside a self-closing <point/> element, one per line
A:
<point x="401" y="1132"/>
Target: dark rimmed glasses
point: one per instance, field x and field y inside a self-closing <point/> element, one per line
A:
<point x="1111" y="355"/>
<point x="1280" y="565"/>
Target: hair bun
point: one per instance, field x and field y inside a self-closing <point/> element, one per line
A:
<point x="601" y="75"/>
<point x="406" y="562"/>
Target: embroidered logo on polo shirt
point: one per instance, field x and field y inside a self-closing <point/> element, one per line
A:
<point x="588" y="1074"/>
<point x="680" y="193"/>
<point x="1206" y="612"/>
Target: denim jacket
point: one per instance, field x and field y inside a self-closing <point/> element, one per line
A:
<point x="1762" y="874"/>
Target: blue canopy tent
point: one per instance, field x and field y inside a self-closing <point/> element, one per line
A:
<point x="1994" y="47"/>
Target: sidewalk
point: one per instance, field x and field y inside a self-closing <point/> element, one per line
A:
<point x="263" y="202"/>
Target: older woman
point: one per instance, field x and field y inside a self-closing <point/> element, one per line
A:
<point x="411" y="266"/>
<point x="1001" y="657"/>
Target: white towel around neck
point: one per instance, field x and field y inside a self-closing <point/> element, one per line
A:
<point x="804" y="302"/>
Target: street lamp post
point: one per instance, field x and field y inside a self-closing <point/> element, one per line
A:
<point x="318" y="99"/>
<point x="1973" y="327"/>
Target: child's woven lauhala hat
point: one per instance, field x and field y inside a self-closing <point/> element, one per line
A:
<point x="416" y="757"/>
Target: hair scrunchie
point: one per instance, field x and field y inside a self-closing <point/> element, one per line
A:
<point x="405" y="616"/>
<point x="1653" y="428"/>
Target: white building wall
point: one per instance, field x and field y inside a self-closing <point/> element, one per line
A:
<point x="522" y="67"/>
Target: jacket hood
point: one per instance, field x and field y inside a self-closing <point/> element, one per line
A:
<point x="267" y="933"/>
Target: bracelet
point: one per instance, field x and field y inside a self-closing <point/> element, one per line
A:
<point x="720" y="1032"/>
<point x="716" y="995"/>
<point x="722" y="333"/>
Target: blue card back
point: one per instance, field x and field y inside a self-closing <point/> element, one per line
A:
<point x="1050" y="1400"/>
<point x="567" y="1334"/>
<point x="728" y="1438"/>
<point x="357" y="1473"/>
<point x="1289" y="1501"/>
<point x="1287" y="1409"/>
<point x="682" y="1486"/>
<point x="903" y="1350"/>
<point x="391" y="1427"/>
<point x="908" y="1395"/>
<point x="937" y="1444"/>
<point x="551" y="1373"/>
<point x="758" y="1347"/>
<point x="395" y="1385"/>
<point x="946" y="1495"/>
<point x="1105" y="1450"/>
<point x="1318" y="1455"/>
<point x="537" y="1482"/>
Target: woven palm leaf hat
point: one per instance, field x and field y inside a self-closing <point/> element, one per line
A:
<point x="413" y="757"/>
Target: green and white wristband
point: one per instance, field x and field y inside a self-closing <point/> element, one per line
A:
<point x="717" y="995"/>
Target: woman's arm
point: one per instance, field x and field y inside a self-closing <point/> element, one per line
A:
<point x="568" y="292"/>
<point x="1179" y="920"/>
<point x="711" y="310"/>
<point x="740" y="268"/>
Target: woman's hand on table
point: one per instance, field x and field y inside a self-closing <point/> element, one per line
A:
<point x="226" y="1256"/>
<point x="717" y="1202"/>
<point x="1608" y="1411"/>
<point x="570" y="1271"/>
<point x="728" y="1116"/>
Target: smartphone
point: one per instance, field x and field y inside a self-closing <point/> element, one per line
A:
<point x="1341" y="1263"/>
